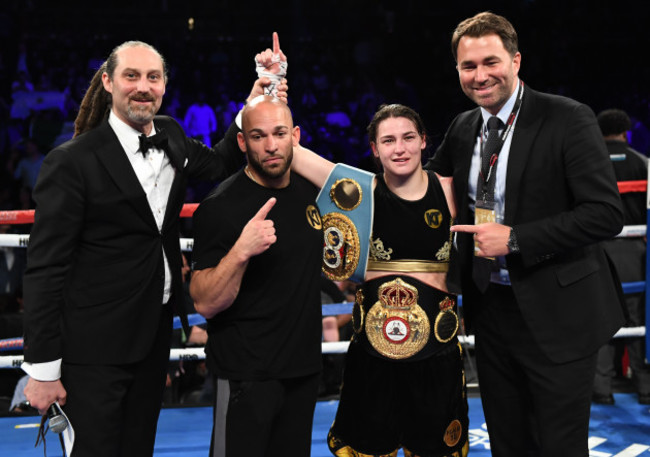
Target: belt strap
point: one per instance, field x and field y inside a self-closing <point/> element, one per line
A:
<point x="346" y="206"/>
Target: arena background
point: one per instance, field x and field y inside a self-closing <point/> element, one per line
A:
<point x="345" y="58"/>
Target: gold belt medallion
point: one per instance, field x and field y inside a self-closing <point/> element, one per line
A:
<point x="446" y="324"/>
<point x="358" y="313"/>
<point x="396" y="326"/>
<point x="341" y="248"/>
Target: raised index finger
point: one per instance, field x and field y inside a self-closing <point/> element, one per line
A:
<point x="464" y="228"/>
<point x="264" y="210"/>
<point x="276" y="44"/>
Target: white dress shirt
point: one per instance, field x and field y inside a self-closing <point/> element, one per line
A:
<point x="502" y="162"/>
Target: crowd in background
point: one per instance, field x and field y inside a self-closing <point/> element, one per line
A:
<point x="345" y="59"/>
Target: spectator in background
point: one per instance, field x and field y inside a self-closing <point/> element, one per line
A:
<point x="29" y="165"/>
<point x="629" y="257"/>
<point x="22" y="83"/>
<point x="12" y="266"/>
<point x="200" y="120"/>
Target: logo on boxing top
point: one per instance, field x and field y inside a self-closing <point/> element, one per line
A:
<point x="313" y="217"/>
<point x="433" y="218"/>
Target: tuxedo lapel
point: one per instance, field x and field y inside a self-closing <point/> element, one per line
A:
<point x="112" y="156"/>
<point x="525" y="132"/>
<point x="174" y="151"/>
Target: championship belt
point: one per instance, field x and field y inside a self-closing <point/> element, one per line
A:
<point x="396" y="326"/>
<point x="401" y="318"/>
<point x="346" y="207"/>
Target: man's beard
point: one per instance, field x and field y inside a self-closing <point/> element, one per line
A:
<point x="141" y="116"/>
<point x="270" y="172"/>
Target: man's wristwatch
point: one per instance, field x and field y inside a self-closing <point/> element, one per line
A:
<point x="512" y="244"/>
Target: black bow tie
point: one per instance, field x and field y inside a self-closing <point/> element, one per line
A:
<point x="157" y="141"/>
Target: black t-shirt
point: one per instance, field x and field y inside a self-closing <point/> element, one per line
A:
<point x="273" y="328"/>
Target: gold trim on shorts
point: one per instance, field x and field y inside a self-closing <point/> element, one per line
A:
<point x="340" y="449"/>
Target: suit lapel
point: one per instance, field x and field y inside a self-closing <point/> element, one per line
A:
<point x="174" y="151"/>
<point x="525" y="132"/>
<point x="112" y="156"/>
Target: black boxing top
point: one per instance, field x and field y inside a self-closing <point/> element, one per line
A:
<point x="415" y="231"/>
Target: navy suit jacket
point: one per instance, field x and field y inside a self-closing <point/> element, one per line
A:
<point x="561" y="199"/>
<point x="93" y="285"/>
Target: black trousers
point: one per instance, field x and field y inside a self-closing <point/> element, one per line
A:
<point x="270" y="418"/>
<point x="114" y="409"/>
<point x="533" y="406"/>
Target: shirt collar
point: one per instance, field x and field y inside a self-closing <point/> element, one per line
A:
<point x="128" y="136"/>
<point x="505" y="110"/>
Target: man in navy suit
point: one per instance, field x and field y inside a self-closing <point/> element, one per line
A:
<point x="537" y="286"/>
<point x="103" y="272"/>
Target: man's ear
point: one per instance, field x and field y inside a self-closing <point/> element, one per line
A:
<point x="241" y="142"/>
<point x="108" y="84"/>
<point x="296" y="135"/>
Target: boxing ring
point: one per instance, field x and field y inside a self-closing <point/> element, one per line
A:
<point x="618" y="431"/>
<point x="186" y="244"/>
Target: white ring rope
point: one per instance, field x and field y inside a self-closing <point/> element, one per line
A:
<point x="338" y="347"/>
<point x="187" y="244"/>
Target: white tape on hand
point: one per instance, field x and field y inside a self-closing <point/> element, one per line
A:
<point x="276" y="78"/>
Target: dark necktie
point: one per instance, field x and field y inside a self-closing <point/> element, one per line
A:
<point x="157" y="141"/>
<point x="491" y="146"/>
<point x="482" y="267"/>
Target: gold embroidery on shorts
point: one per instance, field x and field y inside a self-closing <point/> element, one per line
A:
<point x="453" y="433"/>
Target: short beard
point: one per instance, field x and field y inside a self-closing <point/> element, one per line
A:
<point x="270" y="173"/>
<point x="140" y="116"/>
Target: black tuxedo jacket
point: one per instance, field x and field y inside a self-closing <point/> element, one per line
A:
<point x="93" y="285"/>
<point x="561" y="199"/>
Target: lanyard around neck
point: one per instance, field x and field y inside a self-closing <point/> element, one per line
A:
<point x="502" y="139"/>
